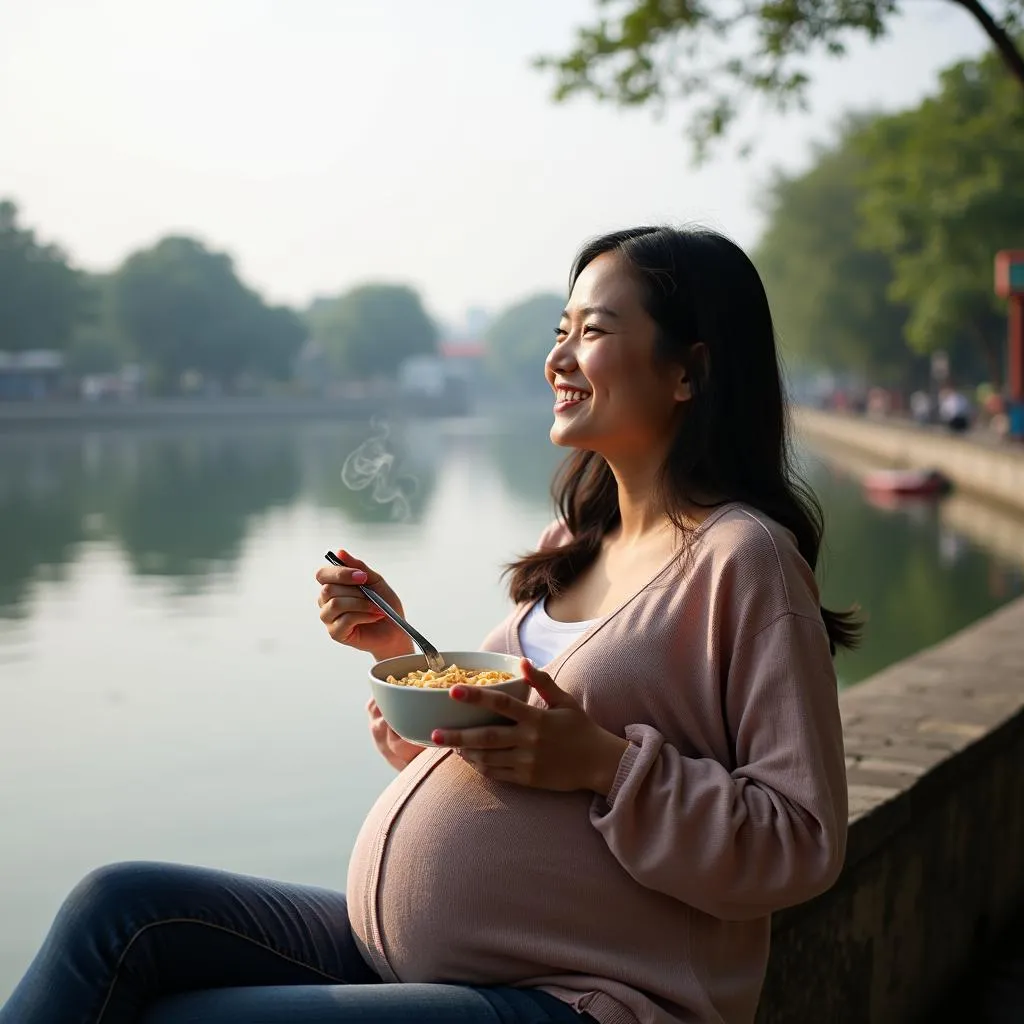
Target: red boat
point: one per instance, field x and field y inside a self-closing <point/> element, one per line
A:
<point x="923" y="482"/>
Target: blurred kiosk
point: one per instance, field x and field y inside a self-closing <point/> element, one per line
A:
<point x="1010" y="286"/>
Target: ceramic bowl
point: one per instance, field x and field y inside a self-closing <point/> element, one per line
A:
<point x="415" y="712"/>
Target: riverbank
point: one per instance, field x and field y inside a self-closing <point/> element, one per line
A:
<point x="169" y="411"/>
<point x="990" y="468"/>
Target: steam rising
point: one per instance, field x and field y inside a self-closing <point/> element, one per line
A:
<point x="372" y="465"/>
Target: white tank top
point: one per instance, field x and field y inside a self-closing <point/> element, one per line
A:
<point x="542" y="638"/>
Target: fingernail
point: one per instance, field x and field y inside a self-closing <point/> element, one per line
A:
<point x="458" y="693"/>
<point x="437" y="736"/>
<point x="359" y="576"/>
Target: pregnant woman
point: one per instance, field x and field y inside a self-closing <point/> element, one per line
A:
<point x="615" y="852"/>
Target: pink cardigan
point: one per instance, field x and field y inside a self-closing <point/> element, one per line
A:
<point x="652" y="905"/>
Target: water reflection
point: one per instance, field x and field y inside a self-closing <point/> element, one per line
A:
<point x="42" y="518"/>
<point x="526" y="460"/>
<point x="177" y="503"/>
<point x="184" y="504"/>
<point x="181" y="503"/>
<point x="917" y="576"/>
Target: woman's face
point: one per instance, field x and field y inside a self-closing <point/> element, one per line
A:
<point x="610" y="397"/>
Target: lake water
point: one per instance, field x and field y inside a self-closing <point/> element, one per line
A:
<point x="167" y="690"/>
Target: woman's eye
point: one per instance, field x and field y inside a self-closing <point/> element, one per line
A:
<point x="560" y="332"/>
<point x="592" y="329"/>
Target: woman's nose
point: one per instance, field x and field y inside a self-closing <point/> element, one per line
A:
<point x="561" y="358"/>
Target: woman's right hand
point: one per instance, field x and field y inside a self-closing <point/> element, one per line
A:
<point x="396" y="751"/>
<point x="354" y="620"/>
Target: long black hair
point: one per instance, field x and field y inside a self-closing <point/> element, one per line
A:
<point x="732" y="439"/>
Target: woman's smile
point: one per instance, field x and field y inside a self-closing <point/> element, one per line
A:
<point x="568" y="397"/>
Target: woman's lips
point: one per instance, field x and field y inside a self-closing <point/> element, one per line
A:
<point x="569" y="399"/>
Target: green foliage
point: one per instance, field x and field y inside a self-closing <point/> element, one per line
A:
<point x="370" y="330"/>
<point x="882" y="252"/>
<point x="944" y="190"/>
<point x="829" y="292"/>
<point x="41" y="296"/>
<point x="183" y="308"/>
<point x="276" y="339"/>
<point x="97" y="343"/>
<point x="519" y="340"/>
<point x="717" y="55"/>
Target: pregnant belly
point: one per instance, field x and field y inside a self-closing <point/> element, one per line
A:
<point x="457" y="878"/>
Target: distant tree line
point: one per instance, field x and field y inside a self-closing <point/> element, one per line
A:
<point x="882" y="252"/>
<point x="180" y="310"/>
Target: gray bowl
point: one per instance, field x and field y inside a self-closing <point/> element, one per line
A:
<point x="414" y="712"/>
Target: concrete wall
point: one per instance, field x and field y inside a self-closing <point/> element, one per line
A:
<point x="994" y="469"/>
<point x="935" y="764"/>
<point x="935" y="861"/>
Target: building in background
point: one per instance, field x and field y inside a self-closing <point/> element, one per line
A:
<point x="30" y="376"/>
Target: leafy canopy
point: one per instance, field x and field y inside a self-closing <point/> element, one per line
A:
<point x="943" y="191"/>
<point x="370" y="330"/>
<point x="183" y="308"/>
<point x="830" y="292"/>
<point x="519" y="340"/>
<point x="716" y="54"/>
<point x="41" y="296"/>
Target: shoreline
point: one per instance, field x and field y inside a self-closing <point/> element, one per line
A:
<point x="74" y="413"/>
<point x="990" y="469"/>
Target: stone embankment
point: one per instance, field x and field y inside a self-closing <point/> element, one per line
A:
<point x="935" y="859"/>
<point x="988" y="467"/>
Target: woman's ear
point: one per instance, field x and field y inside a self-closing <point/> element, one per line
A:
<point x="696" y="365"/>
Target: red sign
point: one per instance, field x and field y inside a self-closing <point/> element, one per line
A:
<point x="1010" y="273"/>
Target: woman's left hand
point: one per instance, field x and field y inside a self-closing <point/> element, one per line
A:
<point x="558" y="747"/>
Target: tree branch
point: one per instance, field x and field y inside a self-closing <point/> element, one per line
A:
<point x="1002" y="40"/>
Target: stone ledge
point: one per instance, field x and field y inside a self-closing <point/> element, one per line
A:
<point x="935" y="857"/>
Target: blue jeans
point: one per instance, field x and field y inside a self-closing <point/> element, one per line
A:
<point x="142" y="943"/>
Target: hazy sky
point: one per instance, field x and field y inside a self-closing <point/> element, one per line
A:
<point x="327" y="142"/>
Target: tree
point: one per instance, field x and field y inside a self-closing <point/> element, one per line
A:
<point x="653" y="52"/>
<point x="829" y="292"/>
<point x="520" y="338"/>
<point x="370" y="330"/>
<point x="275" y="342"/>
<point x="41" y="296"/>
<point x="184" y="309"/>
<point x="944" y="190"/>
<point x="97" y="344"/>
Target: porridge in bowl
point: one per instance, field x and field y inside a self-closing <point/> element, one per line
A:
<point x="414" y="701"/>
<point x="451" y="676"/>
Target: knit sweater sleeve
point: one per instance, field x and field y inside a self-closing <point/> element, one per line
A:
<point x="770" y="831"/>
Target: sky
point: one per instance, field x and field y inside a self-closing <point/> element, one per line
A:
<point x="324" y="143"/>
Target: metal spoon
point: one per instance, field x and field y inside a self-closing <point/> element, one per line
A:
<point x="434" y="660"/>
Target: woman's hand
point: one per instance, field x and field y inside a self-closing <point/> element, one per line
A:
<point x="396" y="751"/>
<point x="354" y="620"/>
<point x="558" y="747"/>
